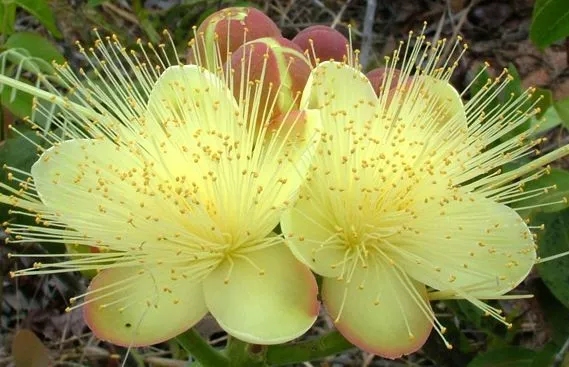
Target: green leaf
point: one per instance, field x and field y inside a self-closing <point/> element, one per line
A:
<point x="546" y="355"/>
<point x="479" y="82"/>
<point x="465" y="311"/>
<point x="19" y="104"/>
<point x="95" y="3"/>
<point x="504" y="357"/>
<point x="544" y="99"/>
<point x="555" y="314"/>
<point x="18" y="151"/>
<point x="553" y="240"/>
<point x="36" y="45"/>
<point x="41" y="10"/>
<point x="514" y="87"/>
<point x="541" y="98"/>
<point x="550" y="22"/>
<point x="562" y="108"/>
<point x="512" y="91"/>
<point x="148" y="28"/>
<point x="7" y="17"/>
<point x="558" y="177"/>
<point x="548" y="120"/>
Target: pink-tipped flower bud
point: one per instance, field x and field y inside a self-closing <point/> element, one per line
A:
<point x="288" y="125"/>
<point x="322" y="42"/>
<point x="274" y="72"/>
<point x="225" y="31"/>
<point x="377" y="78"/>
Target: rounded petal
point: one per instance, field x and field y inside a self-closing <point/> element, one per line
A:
<point x="445" y="98"/>
<point x="311" y="237"/>
<point x="264" y="297"/>
<point x="136" y="307"/>
<point x="97" y="189"/>
<point x="188" y="97"/>
<point x="472" y="245"/>
<point x="379" y="311"/>
<point x="339" y="90"/>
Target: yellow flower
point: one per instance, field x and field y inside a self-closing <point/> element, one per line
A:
<point x="405" y="199"/>
<point x="156" y="165"/>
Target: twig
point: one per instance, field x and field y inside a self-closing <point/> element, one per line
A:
<point x="369" y="18"/>
<point x="323" y="7"/>
<point x="437" y="35"/>
<point x="458" y="27"/>
<point x="120" y="12"/>
<point x="286" y="11"/>
<point x="338" y="16"/>
<point x="561" y="354"/>
<point x="368" y="357"/>
<point x="558" y="143"/>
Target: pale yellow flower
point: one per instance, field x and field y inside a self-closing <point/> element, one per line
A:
<point x="405" y="201"/>
<point x="156" y="165"/>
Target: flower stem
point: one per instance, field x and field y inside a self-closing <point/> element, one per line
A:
<point x="242" y="354"/>
<point x="207" y="355"/>
<point x="324" y="346"/>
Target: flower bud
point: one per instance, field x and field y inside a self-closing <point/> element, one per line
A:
<point x="323" y="42"/>
<point x="225" y="31"/>
<point x="273" y="67"/>
<point x="377" y="76"/>
<point x="289" y="125"/>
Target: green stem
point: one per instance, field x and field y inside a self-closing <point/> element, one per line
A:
<point x="324" y="346"/>
<point x="242" y="354"/>
<point x="207" y="355"/>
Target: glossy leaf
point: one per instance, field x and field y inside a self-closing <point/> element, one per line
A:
<point x="36" y="45"/>
<point x="550" y="22"/>
<point x="557" y="177"/>
<point x="545" y="101"/>
<point x="7" y="17"/>
<point x="19" y="104"/>
<point x="41" y="10"/>
<point x="546" y="355"/>
<point x="504" y="357"/>
<point x="555" y="314"/>
<point x="18" y="152"/>
<point x="554" y="239"/>
<point x="548" y="120"/>
<point x="562" y="108"/>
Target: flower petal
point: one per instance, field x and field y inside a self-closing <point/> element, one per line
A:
<point x="140" y="306"/>
<point x="312" y="238"/>
<point x="445" y="98"/>
<point x="271" y="308"/>
<point x="340" y="92"/>
<point x="472" y="245"/>
<point x="102" y="191"/>
<point x="189" y="96"/>
<point x="378" y="311"/>
<point x="189" y="109"/>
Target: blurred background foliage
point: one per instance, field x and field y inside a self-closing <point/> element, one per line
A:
<point x="529" y="38"/>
